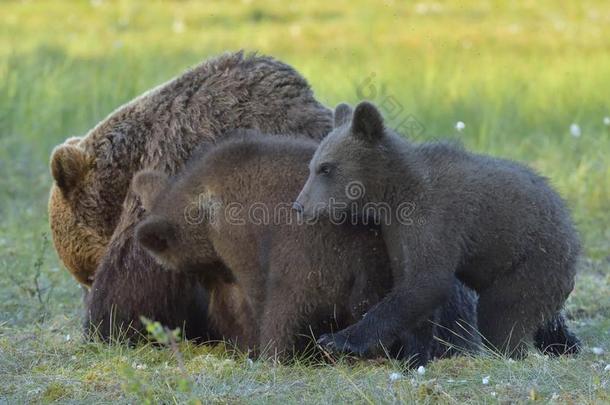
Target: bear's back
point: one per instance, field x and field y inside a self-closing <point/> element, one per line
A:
<point x="163" y="125"/>
<point x="341" y="265"/>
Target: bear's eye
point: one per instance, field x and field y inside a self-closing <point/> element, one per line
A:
<point x="325" y="169"/>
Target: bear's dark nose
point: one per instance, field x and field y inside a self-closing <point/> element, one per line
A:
<point x="298" y="207"/>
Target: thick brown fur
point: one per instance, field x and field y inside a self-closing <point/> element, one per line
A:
<point x="139" y="288"/>
<point x="288" y="281"/>
<point x="91" y="213"/>
<point x="159" y="130"/>
<point x="495" y="224"/>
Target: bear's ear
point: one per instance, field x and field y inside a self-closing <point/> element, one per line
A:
<point x="343" y="113"/>
<point x="147" y="184"/>
<point x="367" y="122"/>
<point x="69" y="165"/>
<point x="155" y="234"/>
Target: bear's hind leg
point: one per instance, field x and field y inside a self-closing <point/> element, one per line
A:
<point x="505" y="323"/>
<point x="554" y="338"/>
<point x="519" y="302"/>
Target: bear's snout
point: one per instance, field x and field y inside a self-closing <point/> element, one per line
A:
<point x="298" y="207"/>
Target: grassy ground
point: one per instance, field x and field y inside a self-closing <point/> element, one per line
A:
<point x="517" y="76"/>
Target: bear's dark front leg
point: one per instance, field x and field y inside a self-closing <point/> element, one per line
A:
<point x="391" y="318"/>
<point x="423" y="268"/>
<point x="457" y="332"/>
<point x="415" y="344"/>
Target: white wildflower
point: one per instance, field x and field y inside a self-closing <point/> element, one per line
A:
<point x="607" y="121"/>
<point x="178" y="26"/>
<point x="485" y="380"/>
<point x="607" y="368"/>
<point x="597" y="350"/>
<point x="575" y="130"/>
<point x="395" y="376"/>
<point x="295" y="30"/>
<point x="68" y="337"/>
<point x="421" y="370"/>
<point x="460" y="126"/>
<point x="428" y="8"/>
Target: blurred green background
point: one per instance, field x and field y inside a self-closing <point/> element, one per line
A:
<point x="530" y="80"/>
<point x="517" y="76"/>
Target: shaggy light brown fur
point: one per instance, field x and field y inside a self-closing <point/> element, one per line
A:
<point x="159" y="130"/>
<point x="91" y="213"/>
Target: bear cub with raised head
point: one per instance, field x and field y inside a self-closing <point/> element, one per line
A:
<point x="283" y="280"/>
<point x="493" y="223"/>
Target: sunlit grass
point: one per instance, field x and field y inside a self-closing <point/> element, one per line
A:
<point x="518" y="76"/>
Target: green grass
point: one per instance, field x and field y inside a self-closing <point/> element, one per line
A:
<point x="517" y="76"/>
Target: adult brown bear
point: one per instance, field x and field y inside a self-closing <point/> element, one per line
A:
<point x="91" y="213"/>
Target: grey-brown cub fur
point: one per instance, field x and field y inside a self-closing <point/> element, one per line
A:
<point x="493" y="223"/>
<point x="285" y="280"/>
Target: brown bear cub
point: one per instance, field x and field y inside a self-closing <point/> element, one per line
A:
<point x="284" y="281"/>
<point x="493" y="223"/>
